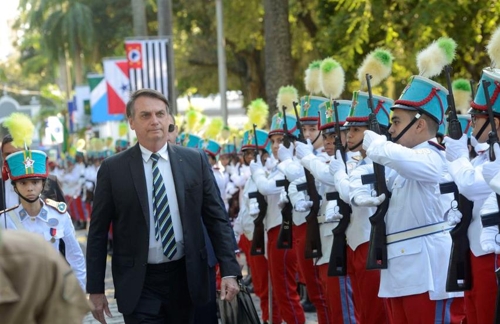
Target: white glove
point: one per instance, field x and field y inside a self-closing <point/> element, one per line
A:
<point x="303" y="205"/>
<point x="255" y="166"/>
<point x="478" y="147"/>
<point x="253" y="207"/>
<point x="453" y="215"/>
<point x="303" y="149"/>
<point x="283" y="199"/>
<point x="456" y="149"/>
<point x="490" y="240"/>
<point x="231" y="190"/>
<point x="337" y="164"/>
<point x="271" y="162"/>
<point x="285" y="153"/>
<point x="332" y="212"/>
<point x="492" y="168"/>
<point x="367" y="201"/>
<point x="232" y="168"/>
<point x="371" y="137"/>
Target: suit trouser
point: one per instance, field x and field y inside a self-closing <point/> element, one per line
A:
<point x="365" y="286"/>
<point x="283" y="269"/>
<point x="165" y="296"/>
<point x="207" y="314"/>
<point x="480" y="301"/>
<point x="338" y="296"/>
<point x="419" y="309"/>
<point x="310" y="274"/>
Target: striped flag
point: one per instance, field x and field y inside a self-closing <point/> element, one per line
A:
<point x="147" y="62"/>
<point x="117" y="84"/>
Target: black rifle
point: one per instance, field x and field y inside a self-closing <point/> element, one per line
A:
<point x="377" y="248"/>
<point x="338" y="256"/>
<point x="492" y="219"/>
<point x="258" y="242"/>
<point x="313" y="238"/>
<point x="285" y="238"/>
<point x="459" y="268"/>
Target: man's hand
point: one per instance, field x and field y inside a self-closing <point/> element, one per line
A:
<point x="285" y="153"/>
<point x="255" y="166"/>
<point x="229" y="288"/>
<point x="371" y="137"/>
<point x="303" y="205"/>
<point x="302" y="149"/>
<point x="456" y="149"/>
<point x="337" y="164"/>
<point x="100" y="307"/>
<point x="367" y="201"/>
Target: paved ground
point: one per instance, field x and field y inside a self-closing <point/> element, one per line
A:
<point x="311" y="318"/>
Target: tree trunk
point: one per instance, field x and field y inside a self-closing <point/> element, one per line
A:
<point x="139" y="17"/>
<point x="78" y="67"/>
<point x="277" y="50"/>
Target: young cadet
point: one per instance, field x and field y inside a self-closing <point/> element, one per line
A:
<point x="28" y="172"/>
<point x="370" y="308"/>
<point x="479" y="305"/>
<point x="338" y="290"/>
<point x="282" y="262"/>
<point x="416" y="274"/>
<point x="292" y="170"/>
<point x="244" y="228"/>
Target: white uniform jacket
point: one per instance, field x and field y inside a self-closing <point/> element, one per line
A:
<point x="416" y="265"/>
<point x="267" y="187"/>
<point x="53" y="226"/>
<point x="469" y="179"/>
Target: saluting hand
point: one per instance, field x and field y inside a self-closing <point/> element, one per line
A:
<point x="229" y="288"/>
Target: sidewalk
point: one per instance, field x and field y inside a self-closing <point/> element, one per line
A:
<point x="311" y="318"/>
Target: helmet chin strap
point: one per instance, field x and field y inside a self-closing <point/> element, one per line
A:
<point x="355" y="146"/>
<point x="26" y="199"/>
<point x="414" y="120"/>
<point x="481" y="130"/>
<point x="314" y="141"/>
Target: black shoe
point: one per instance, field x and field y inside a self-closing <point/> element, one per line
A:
<point x="308" y="307"/>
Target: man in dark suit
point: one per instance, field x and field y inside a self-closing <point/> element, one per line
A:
<point x="157" y="280"/>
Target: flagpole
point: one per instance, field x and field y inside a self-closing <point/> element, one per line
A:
<point x="165" y="22"/>
<point x="221" y="55"/>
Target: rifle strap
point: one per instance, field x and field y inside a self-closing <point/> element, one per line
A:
<point x="418" y="232"/>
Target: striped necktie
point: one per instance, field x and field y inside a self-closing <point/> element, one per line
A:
<point x="161" y="212"/>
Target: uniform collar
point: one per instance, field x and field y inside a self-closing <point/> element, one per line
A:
<point x="42" y="215"/>
<point x="146" y="154"/>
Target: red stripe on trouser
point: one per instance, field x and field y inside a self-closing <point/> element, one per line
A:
<point x="480" y="301"/>
<point x="259" y="266"/>
<point x="88" y="207"/>
<point x="331" y="286"/>
<point x="76" y="208"/>
<point x="365" y="285"/>
<point x="311" y="275"/>
<point x="283" y="269"/>
<point x="419" y="309"/>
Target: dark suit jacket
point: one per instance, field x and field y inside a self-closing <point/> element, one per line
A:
<point x="121" y="199"/>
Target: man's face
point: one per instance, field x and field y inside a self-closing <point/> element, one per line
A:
<point x="224" y="159"/>
<point x="354" y="137"/>
<point x="8" y="149"/>
<point x="400" y="119"/>
<point x="477" y="122"/>
<point x="311" y="132"/>
<point x="248" y="156"/>
<point x="150" y="121"/>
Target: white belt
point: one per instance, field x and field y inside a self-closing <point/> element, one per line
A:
<point x="322" y="220"/>
<point x="418" y="232"/>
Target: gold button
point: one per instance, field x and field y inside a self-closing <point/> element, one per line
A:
<point x="33" y="219"/>
<point x="402" y="251"/>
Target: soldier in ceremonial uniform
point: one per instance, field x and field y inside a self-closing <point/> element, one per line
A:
<point x="28" y="172"/>
<point x="292" y="169"/>
<point x="467" y="174"/>
<point x="417" y="238"/>
<point x="282" y="262"/>
<point x="365" y="283"/>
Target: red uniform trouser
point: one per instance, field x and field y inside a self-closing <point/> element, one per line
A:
<point x="75" y="208"/>
<point x="310" y="273"/>
<point x="283" y="269"/>
<point x="480" y="301"/>
<point x="338" y="296"/>
<point x="260" y="271"/>
<point x="88" y="208"/>
<point x="365" y="285"/>
<point x="419" y="309"/>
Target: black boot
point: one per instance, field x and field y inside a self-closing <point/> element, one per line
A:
<point x="306" y="303"/>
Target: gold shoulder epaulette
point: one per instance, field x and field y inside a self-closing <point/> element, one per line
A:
<point x="8" y="209"/>
<point x="57" y="205"/>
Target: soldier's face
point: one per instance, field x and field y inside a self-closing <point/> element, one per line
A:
<point x="329" y="143"/>
<point x="354" y="137"/>
<point x="276" y="140"/>
<point x="311" y="132"/>
<point x="399" y="120"/>
<point x="29" y="188"/>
